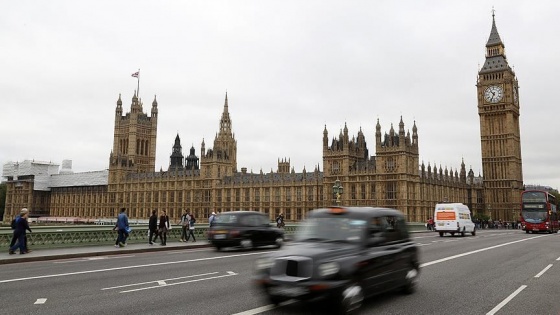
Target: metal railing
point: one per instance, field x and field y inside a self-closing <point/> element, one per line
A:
<point x="92" y="235"/>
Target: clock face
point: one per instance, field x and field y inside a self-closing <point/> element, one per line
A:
<point x="493" y="94"/>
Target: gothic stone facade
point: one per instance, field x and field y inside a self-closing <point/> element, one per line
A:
<point x="394" y="177"/>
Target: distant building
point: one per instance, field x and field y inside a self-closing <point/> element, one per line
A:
<point x="394" y="177"/>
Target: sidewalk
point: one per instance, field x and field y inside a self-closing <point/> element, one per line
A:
<point x="89" y="251"/>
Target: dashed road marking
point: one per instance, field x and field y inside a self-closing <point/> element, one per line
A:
<point x="40" y="301"/>
<point x="506" y="301"/>
<point x="543" y="271"/>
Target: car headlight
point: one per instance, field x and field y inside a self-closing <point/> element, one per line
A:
<point x="328" y="269"/>
<point x="264" y="263"/>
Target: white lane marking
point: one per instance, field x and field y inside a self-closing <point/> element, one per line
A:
<point x="175" y="283"/>
<point x="475" y="251"/>
<point x="265" y="308"/>
<point x="163" y="280"/>
<point x="128" y="267"/>
<point x="506" y="301"/>
<point x="40" y="301"/>
<point x="231" y="273"/>
<point x="543" y="271"/>
<point x="92" y="259"/>
<point x="161" y="283"/>
<point x="558" y="258"/>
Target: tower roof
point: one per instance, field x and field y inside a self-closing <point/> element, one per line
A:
<point x="494" y="38"/>
<point x="495" y="52"/>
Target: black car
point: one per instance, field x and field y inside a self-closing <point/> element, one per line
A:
<point x="343" y="254"/>
<point x="246" y="229"/>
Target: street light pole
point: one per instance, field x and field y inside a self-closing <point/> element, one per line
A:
<point x="337" y="191"/>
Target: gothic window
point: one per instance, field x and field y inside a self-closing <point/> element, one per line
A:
<point x="277" y="194"/>
<point x="237" y="195"/>
<point x="288" y="194"/>
<point x="298" y="194"/>
<point x="247" y="195"/>
<point x="390" y="164"/>
<point x="391" y="190"/>
<point x="257" y="194"/>
<point x="363" y="191"/>
<point x="309" y="193"/>
<point x="335" y="167"/>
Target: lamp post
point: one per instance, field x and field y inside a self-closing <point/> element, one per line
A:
<point x="337" y="191"/>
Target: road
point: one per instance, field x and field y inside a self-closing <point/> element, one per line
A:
<point x="495" y="272"/>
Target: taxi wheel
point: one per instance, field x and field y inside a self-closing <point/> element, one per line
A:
<point x="410" y="279"/>
<point x="247" y="243"/>
<point x="279" y="241"/>
<point x="276" y="299"/>
<point x="351" y="298"/>
<point x="218" y="248"/>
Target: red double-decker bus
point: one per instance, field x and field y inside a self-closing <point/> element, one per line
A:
<point x="539" y="212"/>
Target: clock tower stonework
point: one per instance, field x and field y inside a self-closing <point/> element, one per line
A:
<point x="498" y="110"/>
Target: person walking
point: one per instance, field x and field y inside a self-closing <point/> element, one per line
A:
<point x="185" y="221"/>
<point x="122" y="227"/>
<point x="14" y="236"/>
<point x="163" y="227"/>
<point x="280" y="221"/>
<point x="191" y="228"/>
<point x="152" y="226"/>
<point x="20" y="227"/>
<point x="212" y="218"/>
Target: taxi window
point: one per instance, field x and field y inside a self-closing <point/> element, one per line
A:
<point x="251" y="220"/>
<point x="392" y="228"/>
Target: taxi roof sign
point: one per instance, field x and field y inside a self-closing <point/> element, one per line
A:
<point x="337" y="210"/>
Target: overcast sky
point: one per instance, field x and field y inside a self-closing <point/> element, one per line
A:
<point x="289" y="68"/>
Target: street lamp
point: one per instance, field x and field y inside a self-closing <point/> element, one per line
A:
<point x="337" y="191"/>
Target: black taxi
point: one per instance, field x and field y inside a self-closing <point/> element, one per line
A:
<point x="344" y="254"/>
<point x="245" y="229"/>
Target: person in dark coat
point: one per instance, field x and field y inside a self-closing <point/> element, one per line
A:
<point x="19" y="232"/>
<point x="153" y="227"/>
<point x="163" y="227"/>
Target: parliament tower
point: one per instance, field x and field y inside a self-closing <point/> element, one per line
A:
<point x="134" y="142"/>
<point x="498" y="109"/>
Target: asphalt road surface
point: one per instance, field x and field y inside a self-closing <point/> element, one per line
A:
<point x="494" y="272"/>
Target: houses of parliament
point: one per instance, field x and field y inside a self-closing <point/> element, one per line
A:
<point x="211" y="181"/>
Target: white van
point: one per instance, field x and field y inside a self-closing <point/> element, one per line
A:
<point x="453" y="218"/>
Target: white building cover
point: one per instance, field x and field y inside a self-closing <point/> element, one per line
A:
<point x="47" y="175"/>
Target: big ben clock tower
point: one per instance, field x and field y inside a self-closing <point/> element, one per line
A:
<point x="498" y="109"/>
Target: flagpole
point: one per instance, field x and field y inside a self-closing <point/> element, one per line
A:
<point x="138" y="77"/>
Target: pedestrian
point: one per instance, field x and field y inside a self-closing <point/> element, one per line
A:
<point x="185" y="220"/>
<point x="153" y="227"/>
<point x="280" y="221"/>
<point x="430" y="224"/>
<point x="14" y="237"/>
<point x="211" y="219"/>
<point x="191" y="228"/>
<point x="122" y="228"/>
<point x="20" y="227"/>
<point x="163" y="227"/>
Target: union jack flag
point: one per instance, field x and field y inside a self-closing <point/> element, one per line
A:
<point x="136" y="74"/>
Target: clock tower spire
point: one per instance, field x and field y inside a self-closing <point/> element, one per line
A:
<point x="498" y="110"/>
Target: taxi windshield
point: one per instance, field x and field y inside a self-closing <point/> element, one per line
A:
<point x="331" y="229"/>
